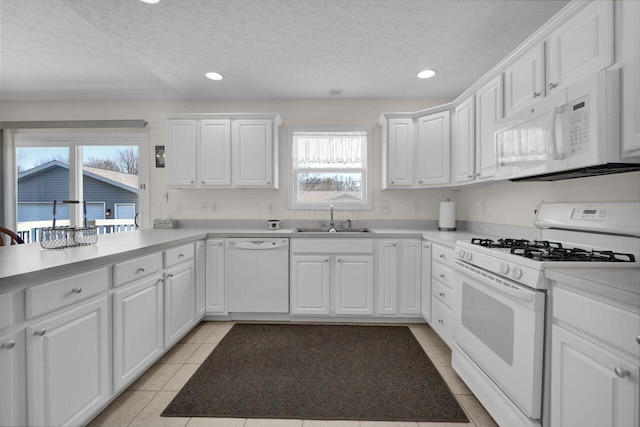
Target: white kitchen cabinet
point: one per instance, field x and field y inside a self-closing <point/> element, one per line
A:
<point x="215" y="285"/>
<point x="214" y="167"/>
<point x="630" y="39"/>
<point x="581" y="46"/>
<point x="180" y="301"/>
<point x="253" y="153"/>
<point x="8" y="371"/>
<point x="180" y="152"/>
<point x="464" y="137"/>
<point x="388" y="276"/>
<point x="489" y="109"/>
<point x="425" y="280"/>
<point x="200" y="260"/>
<point x="411" y="277"/>
<point x="398" y="147"/>
<point x="138" y="328"/>
<point x="310" y="284"/>
<point x="222" y="150"/>
<point x="595" y="360"/>
<point x="442" y="291"/>
<point x="354" y="284"/>
<point x="67" y="365"/>
<point x="524" y="80"/>
<point x="433" y="154"/>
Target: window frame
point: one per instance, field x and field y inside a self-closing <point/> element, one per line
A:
<point x="366" y="170"/>
<point x="75" y="141"/>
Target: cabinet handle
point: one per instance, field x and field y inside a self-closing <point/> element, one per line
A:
<point x="40" y="332"/>
<point x="442" y="256"/>
<point x="193" y="182"/>
<point x="394" y="244"/>
<point x="536" y="94"/>
<point x="442" y="276"/>
<point x="441" y="294"/>
<point x="202" y="182"/>
<point x="141" y="270"/>
<point x="8" y="345"/>
<point x="326" y="260"/>
<point x="476" y="175"/>
<point x="181" y="255"/>
<point x="469" y="176"/>
<point x="421" y="181"/>
<point x="427" y="246"/>
<point x="339" y="260"/>
<point x="441" y="321"/>
<point x="268" y="182"/>
<point x="553" y="85"/>
<point x="169" y="276"/>
<point x="621" y="372"/>
<point x="77" y="289"/>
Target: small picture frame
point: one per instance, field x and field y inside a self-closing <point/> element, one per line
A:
<point x="159" y="156"/>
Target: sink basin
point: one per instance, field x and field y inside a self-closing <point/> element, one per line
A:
<point x="341" y="231"/>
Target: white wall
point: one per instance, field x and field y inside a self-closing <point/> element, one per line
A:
<point x="508" y="203"/>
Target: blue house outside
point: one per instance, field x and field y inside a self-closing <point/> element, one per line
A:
<point x="109" y="194"/>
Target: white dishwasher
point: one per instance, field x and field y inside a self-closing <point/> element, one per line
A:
<point x="257" y="275"/>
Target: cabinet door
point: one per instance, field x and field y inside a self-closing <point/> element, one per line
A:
<point x="7" y="380"/>
<point x="215" y="289"/>
<point x="433" y="158"/>
<point x="354" y="284"/>
<point x="400" y="153"/>
<point x="465" y="141"/>
<point x="411" y="276"/>
<point x="181" y="153"/>
<point x="489" y="109"/>
<point x="524" y="80"/>
<point x="253" y="153"/>
<point x="425" y="306"/>
<point x="67" y="365"/>
<point x="215" y="153"/>
<point x="137" y="329"/>
<point x="310" y="284"/>
<point x="630" y="76"/>
<point x="200" y="267"/>
<point x="581" y="46"/>
<point x="180" y="302"/>
<point x="388" y="277"/>
<point x="585" y="388"/>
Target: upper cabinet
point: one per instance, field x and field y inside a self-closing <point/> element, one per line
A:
<point x="579" y="47"/>
<point x="416" y="150"/>
<point x="489" y="109"/>
<point x="630" y="39"/>
<point x="464" y="141"/>
<point x="222" y="150"/>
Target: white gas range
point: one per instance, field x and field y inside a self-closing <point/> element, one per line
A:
<point x="499" y="332"/>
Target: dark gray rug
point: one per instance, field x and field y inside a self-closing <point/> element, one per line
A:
<point x="323" y="372"/>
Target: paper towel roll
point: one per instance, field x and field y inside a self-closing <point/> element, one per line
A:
<point x="447" y="216"/>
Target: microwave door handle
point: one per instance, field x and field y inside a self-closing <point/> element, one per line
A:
<point x="555" y="155"/>
<point x="490" y="282"/>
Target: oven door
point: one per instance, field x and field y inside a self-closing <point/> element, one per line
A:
<point x="500" y="326"/>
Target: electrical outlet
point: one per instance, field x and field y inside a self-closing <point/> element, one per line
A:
<point x="384" y="207"/>
<point x="270" y="208"/>
<point x="214" y="207"/>
<point x="158" y="208"/>
<point x="178" y="207"/>
<point x="416" y="207"/>
<point x="203" y="206"/>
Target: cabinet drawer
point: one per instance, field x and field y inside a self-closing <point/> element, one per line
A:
<point x="6" y="310"/>
<point x="443" y="255"/>
<point x="441" y="321"/>
<point x="332" y="246"/>
<point x="125" y="272"/>
<point x="442" y="273"/>
<point x="608" y="323"/>
<point x="443" y="293"/>
<point x="50" y="296"/>
<point x="178" y="254"/>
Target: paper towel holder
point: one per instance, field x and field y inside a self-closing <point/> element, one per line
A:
<point x="447" y="224"/>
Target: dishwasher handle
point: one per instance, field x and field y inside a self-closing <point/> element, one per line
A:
<point x="257" y="244"/>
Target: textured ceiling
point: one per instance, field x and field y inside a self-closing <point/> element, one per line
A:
<point x="266" y="49"/>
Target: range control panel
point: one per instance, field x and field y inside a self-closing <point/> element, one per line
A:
<point x="592" y="214"/>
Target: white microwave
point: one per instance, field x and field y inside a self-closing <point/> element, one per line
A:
<point x="570" y="133"/>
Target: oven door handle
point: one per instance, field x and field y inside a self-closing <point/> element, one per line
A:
<point x="494" y="282"/>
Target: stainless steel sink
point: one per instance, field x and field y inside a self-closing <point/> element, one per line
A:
<point x="337" y="230"/>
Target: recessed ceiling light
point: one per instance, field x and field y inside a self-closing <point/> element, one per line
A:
<point x="426" y="74"/>
<point x="335" y="92"/>
<point x="214" y="76"/>
<point x="150" y="1"/>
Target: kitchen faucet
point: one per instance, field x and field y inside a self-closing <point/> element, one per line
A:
<point x="331" y="224"/>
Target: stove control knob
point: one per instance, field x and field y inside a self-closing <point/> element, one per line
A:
<point x="516" y="272"/>
<point x="504" y="268"/>
<point x="460" y="253"/>
<point x="468" y="256"/>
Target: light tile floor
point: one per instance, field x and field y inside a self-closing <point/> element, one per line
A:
<point x="143" y="402"/>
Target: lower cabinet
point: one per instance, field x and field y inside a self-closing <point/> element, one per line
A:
<point x="138" y="337"/>
<point x="310" y="284"/>
<point x="8" y="416"/>
<point x="442" y="292"/>
<point x="425" y="278"/>
<point x="354" y="284"/>
<point x="68" y="365"/>
<point x="399" y="277"/>
<point x="180" y="301"/>
<point x="214" y="277"/>
<point x="200" y="265"/>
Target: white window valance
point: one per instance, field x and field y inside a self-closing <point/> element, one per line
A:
<point x="340" y="149"/>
